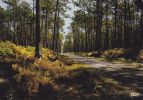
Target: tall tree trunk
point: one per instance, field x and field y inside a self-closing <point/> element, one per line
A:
<point x="37" y="35"/>
<point x="46" y="28"/>
<point x="106" y="41"/>
<point x="98" y="25"/>
<point x="55" y="27"/>
<point x="33" y="22"/>
<point x="141" y="29"/>
<point x="58" y="32"/>
<point x="115" y="25"/>
<point x="125" y="25"/>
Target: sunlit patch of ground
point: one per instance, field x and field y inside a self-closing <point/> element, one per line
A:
<point x="76" y="66"/>
<point x="3" y="81"/>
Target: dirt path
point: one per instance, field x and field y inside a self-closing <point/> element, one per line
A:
<point x="127" y="74"/>
<point x="98" y="63"/>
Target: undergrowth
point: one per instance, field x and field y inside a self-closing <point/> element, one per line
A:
<point x="54" y="76"/>
<point x="31" y="73"/>
<point x="118" y="54"/>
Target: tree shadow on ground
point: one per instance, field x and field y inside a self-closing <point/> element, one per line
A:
<point x="130" y="77"/>
<point x="105" y="84"/>
<point x="7" y="86"/>
<point x="91" y="84"/>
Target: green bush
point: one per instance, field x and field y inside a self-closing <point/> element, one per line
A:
<point x="5" y="49"/>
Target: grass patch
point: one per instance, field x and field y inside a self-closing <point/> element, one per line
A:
<point x="76" y="66"/>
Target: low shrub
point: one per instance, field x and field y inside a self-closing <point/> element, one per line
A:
<point x="140" y="56"/>
<point x="5" y="49"/>
<point x="83" y="54"/>
<point x="95" y="54"/>
<point x="31" y="76"/>
<point x="53" y="57"/>
<point x="114" y="53"/>
<point x="22" y="52"/>
<point x="66" y="61"/>
<point x="8" y="49"/>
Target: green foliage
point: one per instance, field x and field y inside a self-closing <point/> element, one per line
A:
<point x="34" y="75"/>
<point x="20" y="18"/>
<point x="5" y="49"/>
<point x="68" y="44"/>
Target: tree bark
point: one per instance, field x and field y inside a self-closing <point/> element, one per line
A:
<point x="37" y="35"/>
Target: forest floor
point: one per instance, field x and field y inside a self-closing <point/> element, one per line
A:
<point x="65" y="76"/>
<point x="127" y="75"/>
